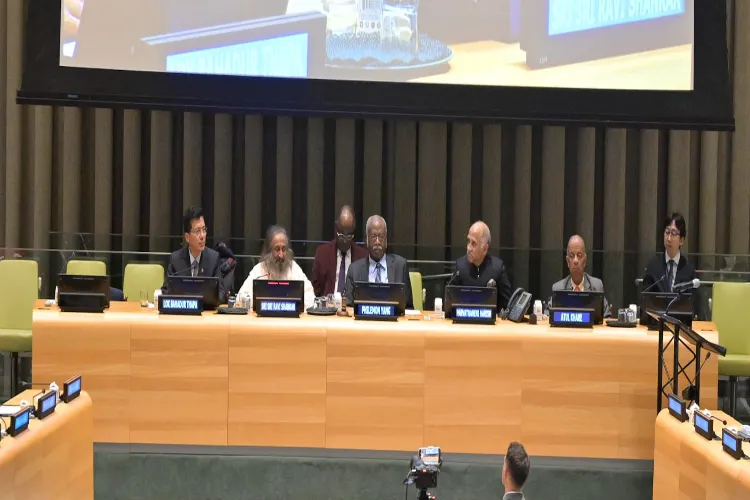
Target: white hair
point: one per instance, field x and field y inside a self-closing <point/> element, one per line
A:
<point x="372" y="220"/>
<point x="485" y="232"/>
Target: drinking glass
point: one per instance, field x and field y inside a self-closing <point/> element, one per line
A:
<point x="401" y="24"/>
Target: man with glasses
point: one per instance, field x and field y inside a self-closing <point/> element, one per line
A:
<point x="332" y="259"/>
<point x="195" y="259"/>
<point x="378" y="267"/>
<point x="276" y="263"/>
<point x="670" y="267"/>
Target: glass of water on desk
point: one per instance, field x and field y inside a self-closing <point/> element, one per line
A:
<point x="400" y="24"/>
<point x="342" y="16"/>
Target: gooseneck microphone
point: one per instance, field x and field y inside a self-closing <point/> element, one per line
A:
<point x="652" y="285"/>
<point x="717" y="418"/>
<point x="453" y="278"/>
<point x="687" y="285"/>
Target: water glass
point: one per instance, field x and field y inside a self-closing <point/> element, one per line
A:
<point x="401" y="24"/>
<point x="144" y="298"/>
<point x="342" y="16"/>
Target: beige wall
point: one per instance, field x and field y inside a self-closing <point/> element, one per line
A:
<point x="104" y="171"/>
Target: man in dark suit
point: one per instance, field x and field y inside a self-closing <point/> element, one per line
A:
<point x="579" y="280"/>
<point x="516" y="468"/>
<point x="476" y="268"/>
<point x="195" y="259"/>
<point x="666" y="269"/>
<point x="332" y="259"/>
<point x="378" y="267"/>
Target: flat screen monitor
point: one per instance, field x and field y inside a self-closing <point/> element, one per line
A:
<point x="469" y="295"/>
<point x="202" y="286"/>
<point x="682" y="309"/>
<point x="581" y="300"/>
<point x="395" y="293"/>
<point x="279" y="290"/>
<point x="81" y="283"/>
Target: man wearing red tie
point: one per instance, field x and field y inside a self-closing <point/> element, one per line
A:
<point x="332" y="259"/>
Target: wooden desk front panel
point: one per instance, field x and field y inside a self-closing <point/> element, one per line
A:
<point x="277" y="383"/>
<point x="337" y="383"/>
<point x="65" y="345"/>
<point x="687" y="466"/>
<point x="179" y="379"/>
<point x="375" y="386"/>
<point x="53" y="458"/>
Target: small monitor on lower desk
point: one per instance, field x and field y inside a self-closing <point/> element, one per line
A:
<point x="387" y="300"/>
<point x="568" y="299"/>
<point x="275" y="298"/>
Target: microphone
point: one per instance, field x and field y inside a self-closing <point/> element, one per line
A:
<point x="652" y="285"/>
<point x="187" y="269"/>
<point x="687" y="285"/>
<point x="717" y="418"/>
<point x="453" y="278"/>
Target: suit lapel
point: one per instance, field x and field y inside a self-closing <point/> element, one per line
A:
<point x="391" y="268"/>
<point x="334" y="255"/>
<point x="586" y="283"/>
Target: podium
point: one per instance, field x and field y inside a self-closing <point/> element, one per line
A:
<point x="693" y="342"/>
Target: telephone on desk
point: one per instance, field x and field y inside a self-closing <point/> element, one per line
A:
<point x="517" y="306"/>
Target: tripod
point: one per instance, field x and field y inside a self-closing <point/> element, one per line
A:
<point x="422" y="494"/>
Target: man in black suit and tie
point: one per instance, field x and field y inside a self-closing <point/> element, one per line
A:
<point x="516" y="468"/>
<point x="476" y="268"/>
<point x="666" y="269"/>
<point x="378" y="267"/>
<point x="195" y="259"/>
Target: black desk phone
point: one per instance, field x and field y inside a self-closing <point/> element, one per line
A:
<point x="517" y="306"/>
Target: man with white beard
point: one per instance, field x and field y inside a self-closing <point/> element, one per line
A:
<point x="276" y="263"/>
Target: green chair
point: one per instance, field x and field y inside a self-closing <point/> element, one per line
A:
<point x="731" y="316"/>
<point x="416" y="290"/>
<point x="142" y="277"/>
<point x="18" y="292"/>
<point x="87" y="268"/>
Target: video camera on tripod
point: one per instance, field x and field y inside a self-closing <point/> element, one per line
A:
<point x="424" y="469"/>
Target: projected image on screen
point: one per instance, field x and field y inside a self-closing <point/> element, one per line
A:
<point x="613" y="44"/>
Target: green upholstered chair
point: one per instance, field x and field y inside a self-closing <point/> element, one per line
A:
<point x="142" y="277"/>
<point x="19" y="290"/>
<point x="416" y="290"/>
<point x="87" y="267"/>
<point x="731" y="316"/>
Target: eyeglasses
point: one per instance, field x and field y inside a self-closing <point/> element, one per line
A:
<point x="345" y="236"/>
<point x="376" y="237"/>
<point x="669" y="233"/>
<point x="200" y="230"/>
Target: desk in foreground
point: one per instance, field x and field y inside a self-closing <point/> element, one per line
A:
<point x="686" y="465"/>
<point x="336" y="383"/>
<point x="53" y="458"/>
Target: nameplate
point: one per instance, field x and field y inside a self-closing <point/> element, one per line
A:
<point x="277" y="308"/>
<point x="46" y="404"/>
<point x="375" y="311"/>
<point x="71" y="389"/>
<point x="570" y="317"/>
<point x="677" y="407"/>
<point x="732" y="444"/>
<point x="181" y="304"/>
<point x="482" y="315"/>
<point x="19" y="422"/>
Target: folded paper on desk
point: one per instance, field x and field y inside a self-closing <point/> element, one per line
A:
<point x="7" y="411"/>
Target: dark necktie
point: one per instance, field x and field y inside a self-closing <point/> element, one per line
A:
<point x="342" y="273"/>
<point x="194" y="267"/>
<point x="670" y="277"/>
<point x="378" y="267"/>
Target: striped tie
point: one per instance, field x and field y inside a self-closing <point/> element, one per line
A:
<point x="378" y="267"/>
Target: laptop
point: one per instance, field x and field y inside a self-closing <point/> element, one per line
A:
<point x="394" y="293"/>
<point x="682" y="308"/>
<point x="200" y="286"/>
<point x="580" y="300"/>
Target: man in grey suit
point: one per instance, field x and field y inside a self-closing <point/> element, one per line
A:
<point x="378" y="266"/>
<point x="516" y="468"/>
<point x="578" y="280"/>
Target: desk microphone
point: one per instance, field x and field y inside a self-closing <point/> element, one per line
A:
<point x="717" y="418"/>
<point x="453" y="278"/>
<point x="687" y="285"/>
<point x="652" y="285"/>
<point x="189" y="269"/>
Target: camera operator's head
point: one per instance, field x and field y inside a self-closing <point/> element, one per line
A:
<point x="516" y="468"/>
